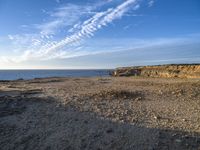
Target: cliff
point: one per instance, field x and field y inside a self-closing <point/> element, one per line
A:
<point x="165" y="71"/>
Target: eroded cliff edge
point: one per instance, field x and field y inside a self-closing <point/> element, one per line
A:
<point x="165" y="71"/>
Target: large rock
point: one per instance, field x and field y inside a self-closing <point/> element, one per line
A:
<point x="178" y="70"/>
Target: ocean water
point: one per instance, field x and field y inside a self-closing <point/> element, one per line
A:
<point x="31" y="74"/>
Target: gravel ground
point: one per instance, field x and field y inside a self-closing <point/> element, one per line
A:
<point x="100" y="113"/>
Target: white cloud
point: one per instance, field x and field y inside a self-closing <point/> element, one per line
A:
<point x="42" y="47"/>
<point x="24" y="26"/>
<point x="151" y="3"/>
<point x="10" y="37"/>
<point x="126" y="27"/>
<point x="88" y="27"/>
<point x="136" y="7"/>
<point x="57" y="1"/>
<point x="62" y="17"/>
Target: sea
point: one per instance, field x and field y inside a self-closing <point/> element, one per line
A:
<point x="32" y="74"/>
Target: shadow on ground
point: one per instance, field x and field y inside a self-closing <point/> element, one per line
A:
<point x="43" y="123"/>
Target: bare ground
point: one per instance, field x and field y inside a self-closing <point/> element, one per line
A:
<point x="100" y="113"/>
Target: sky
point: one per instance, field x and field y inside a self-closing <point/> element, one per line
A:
<point x="90" y="34"/>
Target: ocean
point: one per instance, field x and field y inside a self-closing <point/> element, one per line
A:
<point x="31" y="74"/>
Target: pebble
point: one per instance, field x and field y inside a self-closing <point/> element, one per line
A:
<point x="138" y="98"/>
<point x="110" y="130"/>
<point x="184" y="120"/>
<point x="160" y="92"/>
<point x="157" y="117"/>
<point x="174" y="134"/>
<point x="178" y="140"/>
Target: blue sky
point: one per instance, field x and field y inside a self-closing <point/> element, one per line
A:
<point x="82" y="34"/>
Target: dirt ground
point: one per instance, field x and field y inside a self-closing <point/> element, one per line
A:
<point x="100" y="113"/>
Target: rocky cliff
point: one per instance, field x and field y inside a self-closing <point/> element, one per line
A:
<point x="166" y="71"/>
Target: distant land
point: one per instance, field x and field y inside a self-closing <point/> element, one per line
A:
<point x="168" y="70"/>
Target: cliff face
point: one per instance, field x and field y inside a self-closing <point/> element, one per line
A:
<point x="166" y="71"/>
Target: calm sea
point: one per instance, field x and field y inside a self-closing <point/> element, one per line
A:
<point x="31" y="74"/>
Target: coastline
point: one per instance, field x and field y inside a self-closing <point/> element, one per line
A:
<point x="161" y="71"/>
<point x="100" y="113"/>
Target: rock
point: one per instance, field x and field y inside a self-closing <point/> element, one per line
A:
<point x="138" y="98"/>
<point x="157" y="117"/>
<point x="110" y="130"/>
<point x="184" y="120"/>
<point x="160" y="92"/>
<point x="85" y="121"/>
<point x="178" y="140"/>
<point x="175" y="134"/>
<point x="166" y="71"/>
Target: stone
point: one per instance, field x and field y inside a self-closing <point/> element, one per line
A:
<point x="163" y="71"/>
<point x="138" y="98"/>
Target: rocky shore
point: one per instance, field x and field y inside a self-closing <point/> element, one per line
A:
<point x="100" y="113"/>
<point x="163" y="71"/>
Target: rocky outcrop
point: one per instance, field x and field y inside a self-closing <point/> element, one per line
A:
<point x="166" y="71"/>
